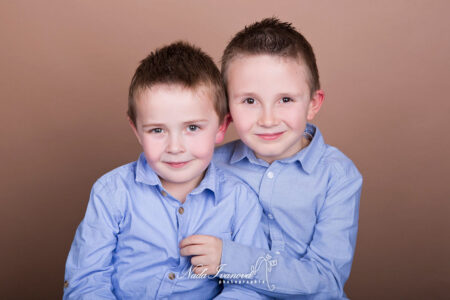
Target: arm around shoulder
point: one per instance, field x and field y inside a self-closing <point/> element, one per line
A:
<point x="324" y="268"/>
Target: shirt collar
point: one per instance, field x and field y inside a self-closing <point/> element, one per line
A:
<point x="146" y="175"/>
<point x="307" y="157"/>
<point x="242" y="151"/>
<point x="208" y="182"/>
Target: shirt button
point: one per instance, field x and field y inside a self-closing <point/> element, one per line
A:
<point x="270" y="175"/>
<point x="270" y="216"/>
<point x="164" y="193"/>
<point x="277" y="252"/>
<point x="66" y="284"/>
<point x="171" y="276"/>
<point x="181" y="210"/>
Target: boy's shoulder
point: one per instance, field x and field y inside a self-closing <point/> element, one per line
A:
<point x="330" y="159"/>
<point x="120" y="177"/>
<point x="336" y="159"/>
<point x="320" y="158"/>
<point x="338" y="165"/>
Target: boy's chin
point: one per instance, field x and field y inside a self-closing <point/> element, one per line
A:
<point x="270" y="156"/>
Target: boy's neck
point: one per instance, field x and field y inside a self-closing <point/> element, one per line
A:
<point x="180" y="190"/>
<point x="304" y="143"/>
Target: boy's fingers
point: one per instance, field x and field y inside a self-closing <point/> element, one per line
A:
<point x="203" y="270"/>
<point x="198" y="261"/>
<point x="190" y="240"/>
<point x="201" y="261"/>
<point x="195" y="239"/>
<point x="200" y="270"/>
<point x="192" y="250"/>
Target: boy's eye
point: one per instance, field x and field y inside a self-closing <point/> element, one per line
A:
<point x="286" y="99"/>
<point x="249" y="100"/>
<point x="156" y="130"/>
<point x="193" y="128"/>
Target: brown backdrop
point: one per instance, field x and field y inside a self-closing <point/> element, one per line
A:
<point x="384" y="65"/>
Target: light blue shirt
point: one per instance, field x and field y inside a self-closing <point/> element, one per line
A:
<point x="127" y="245"/>
<point x="310" y="203"/>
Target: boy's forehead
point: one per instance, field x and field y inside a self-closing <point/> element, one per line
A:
<point x="255" y="65"/>
<point x="163" y="101"/>
<point x="267" y="67"/>
<point x="200" y="90"/>
<point x="243" y="58"/>
<point x="264" y="60"/>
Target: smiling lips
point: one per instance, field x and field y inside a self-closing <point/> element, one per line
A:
<point x="177" y="165"/>
<point x="270" y="136"/>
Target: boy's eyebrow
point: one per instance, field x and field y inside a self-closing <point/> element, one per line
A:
<point x="195" y="121"/>
<point x="187" y="122"/>
<point x="290" y="94"/>
<point x="153" y="124"/>
<point x="252" y="94"/>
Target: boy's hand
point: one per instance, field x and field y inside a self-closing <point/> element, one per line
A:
<point x="206" y="252"/>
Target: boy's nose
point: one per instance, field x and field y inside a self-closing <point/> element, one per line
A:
<point x="267" y="118"/>
<point x="175" y="144"/>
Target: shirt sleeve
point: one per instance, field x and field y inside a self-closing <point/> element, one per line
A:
<point x="326" y="264"/>
<point x="89" y="264"/>
<point x="247" y="231"/>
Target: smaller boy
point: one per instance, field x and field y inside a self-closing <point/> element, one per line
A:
<point x="127" y="246"/>
<point x="309" y="190"/>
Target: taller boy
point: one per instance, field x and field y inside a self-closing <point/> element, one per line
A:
<point x="309" y="190"/>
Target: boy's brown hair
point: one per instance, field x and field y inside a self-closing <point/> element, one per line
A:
<point x="178" y="63"/>
<point x="273" y="37"/>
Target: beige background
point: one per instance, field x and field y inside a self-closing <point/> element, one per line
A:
<point x="65" y="67"/>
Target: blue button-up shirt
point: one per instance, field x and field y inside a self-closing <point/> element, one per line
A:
<point x="127" y="245"/>
<point x="310" y="203"/>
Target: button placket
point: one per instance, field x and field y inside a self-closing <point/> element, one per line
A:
<point x="275" y="232"/>
<point x="181" y="219"/>
<point x="276" y="236"/>
<point x="167" y="285"/>
<point x="266" y="188"/>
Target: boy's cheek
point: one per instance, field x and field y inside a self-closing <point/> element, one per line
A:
<point x="243" y="120"/>
<point x="243" y="126"/>
<point x="151" y="156"/>
<point x="152" y="150"/>
<point x="201" y="149"/>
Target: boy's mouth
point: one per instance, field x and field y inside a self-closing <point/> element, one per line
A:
<point x="270" y="136"/>
<point x="177" y="165"/>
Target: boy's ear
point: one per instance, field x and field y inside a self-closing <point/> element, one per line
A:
<point x="315" y="104"/>
<point x="134" y="130"/>
<point x="220" y="135"/>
